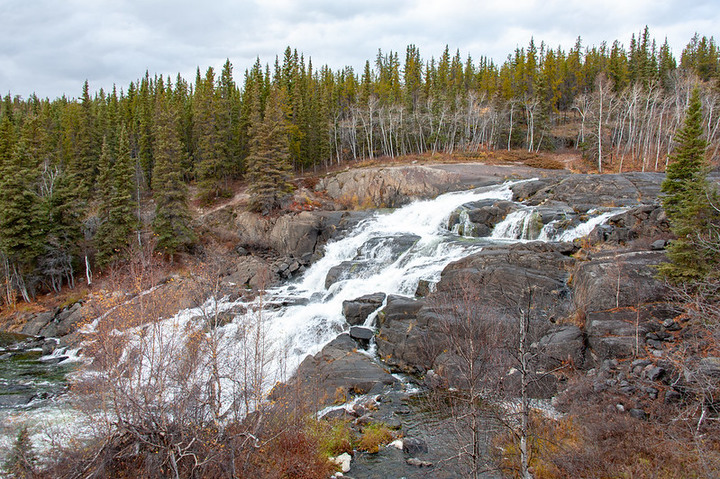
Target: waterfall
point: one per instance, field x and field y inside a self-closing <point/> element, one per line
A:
<point x="585" y="228"/>
<point x="526" y="224"/>
<point x="516" y="225"/>
<point x="390" y="252"/>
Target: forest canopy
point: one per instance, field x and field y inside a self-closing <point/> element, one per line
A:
<point x="77" y="174"/>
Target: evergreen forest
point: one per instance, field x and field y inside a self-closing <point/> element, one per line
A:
<point x="84" y="179"/>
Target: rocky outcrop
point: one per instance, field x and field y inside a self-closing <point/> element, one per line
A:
<point x="356" y="311"/>
<point x="618" y="279"/>
<point x="646" y="222"/>
<point x="336" y="373"/>
<point x="500" y="277"/>
<point x="563" y="345"/>
<point x="482" y="216"/>
<point x="386" y="187"/>
<point x="585" y="192"/>
<point x="59" y="322"/>
<point x="402" y="333"/>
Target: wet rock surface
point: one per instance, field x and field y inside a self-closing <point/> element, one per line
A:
<point x="337" y="373"/>
<point x="356" y="311"/>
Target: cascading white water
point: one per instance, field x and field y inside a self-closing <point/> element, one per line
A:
<point x="524" y="224"/>
<point x="583" y="229"/>
<point x="389" y="252"/>
<point x="516" y="225"/>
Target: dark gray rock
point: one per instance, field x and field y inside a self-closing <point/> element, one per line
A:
<point x="638" y="413"/>
<point x="647" y="221"/>
<point x="357" y="310"/>
<point x="423" y="288"/>
<point x="401" y="338"/>
<point x="500" y="277"/>
<point x="386" y="248"/>
<point x="37" y="323"/>
<point x="340" y="271"/>
<point x="585" y="192"/>
<point x="16" y="399"/>
<point x="656" y="373"/>
<point x="658" y="245"/>
<point x="616" y="279"/>
<point x="414" y="446"/>
<point x="709" y="366"/>
<point x="562" y="345"/>
<point x="336" y="373"/>
<point x="672" y="396"/>
<point x="362" y="335"/>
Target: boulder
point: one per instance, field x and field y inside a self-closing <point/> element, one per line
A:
<point x="250" y="271"/>
<point x="562" y="345"/>
<point x="482" y="216"/>
<point x="414" y="446"/>
<point x="340" y="271"/>
<point x="402" y="332"/>
<point x="336" y="373"/>
<point x="37" y="323"/>
<point x="618" y="279"/>
<point x="356" y="311"/>
<point x="67" y="321"/>
<point x="296" y="235"/>
<point x="362" y="335"/>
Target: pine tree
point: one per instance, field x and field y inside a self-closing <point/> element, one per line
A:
<point x="686" y="200"/>
<point x="269" y="161"/>
<point x="172" y="217"/>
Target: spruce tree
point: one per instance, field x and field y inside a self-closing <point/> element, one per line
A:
<point x="118" y="220"/>
<point x="21" y="225"/>
<point x="209" y="161"/>
<point x="172" y="217"/>
<point x="687" y="202"/>
<point x="269" y="168"/>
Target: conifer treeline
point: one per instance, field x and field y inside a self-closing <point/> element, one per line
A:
<point x="77" y="175"/>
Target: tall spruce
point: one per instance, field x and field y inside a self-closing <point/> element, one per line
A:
<point x="21" y="225"/>
<point x="687" y="202"/>
<point x="118" y="218"/>
<point x="172" y="216"/>
<point x="269" y="168"/>
<point x="209" y="159"/>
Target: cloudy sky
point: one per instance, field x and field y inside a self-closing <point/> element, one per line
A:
<point x="51" y="46"/>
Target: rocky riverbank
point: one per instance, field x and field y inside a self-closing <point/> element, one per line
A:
<point x="600" y="310"/>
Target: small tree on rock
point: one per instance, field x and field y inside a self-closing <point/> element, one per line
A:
<point x="688" y="202"/>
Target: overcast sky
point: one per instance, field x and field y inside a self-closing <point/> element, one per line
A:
<point x="51" y="46"/>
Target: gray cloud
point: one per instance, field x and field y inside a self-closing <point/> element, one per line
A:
<point x="50" y="47"/>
